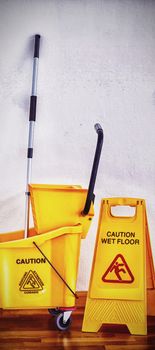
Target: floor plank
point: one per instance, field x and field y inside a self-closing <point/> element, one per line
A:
<point x="36" y="329"/>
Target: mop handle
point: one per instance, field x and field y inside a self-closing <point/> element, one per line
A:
<point x="33" y="98"/>
<point x="32" y="119"/>
<point x="90" y="195"/>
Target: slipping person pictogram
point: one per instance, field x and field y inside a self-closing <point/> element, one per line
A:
<point x="118" y="271"/>
<point x="31" y="283"/>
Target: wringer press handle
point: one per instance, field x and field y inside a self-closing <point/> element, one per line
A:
<point x="90" y="194"/>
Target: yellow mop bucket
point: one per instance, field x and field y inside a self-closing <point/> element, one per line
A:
<point x="40" y="271"/>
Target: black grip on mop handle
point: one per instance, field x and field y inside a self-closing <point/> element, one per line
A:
<point x="98" y="128"/>
<point x="36" y="45"/>
<point x="90" y="195"/>
<point x="33" y="104"/>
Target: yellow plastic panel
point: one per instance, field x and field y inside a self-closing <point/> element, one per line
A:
<point x="58" y="206"/>
<point x="117" y="291"/>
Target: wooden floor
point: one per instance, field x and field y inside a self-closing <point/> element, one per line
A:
<point x="37" y="330"/>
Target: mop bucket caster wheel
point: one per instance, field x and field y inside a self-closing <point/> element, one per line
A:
<point x="61" y="325"/>
<point x="54" y="312"/>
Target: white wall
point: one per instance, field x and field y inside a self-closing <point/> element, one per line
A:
<point x="96" y="65"/>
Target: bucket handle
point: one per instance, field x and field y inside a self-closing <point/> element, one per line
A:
<point x="90" y="195"/>
<point x="49" y="262"/>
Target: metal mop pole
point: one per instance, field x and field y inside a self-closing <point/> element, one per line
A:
<point x="32" y="118"/>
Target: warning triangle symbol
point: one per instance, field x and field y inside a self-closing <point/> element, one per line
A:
<point x="31" y="281"/>
<point x="118" y="271"/>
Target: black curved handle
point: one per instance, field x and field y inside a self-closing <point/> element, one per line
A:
<point x="90" y="195"/>
<point x="36" y="45"/>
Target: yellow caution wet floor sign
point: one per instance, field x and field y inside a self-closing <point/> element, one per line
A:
<point x="117" y="290"/>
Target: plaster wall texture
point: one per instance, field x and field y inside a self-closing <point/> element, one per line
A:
<point x="96" y="65"/>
